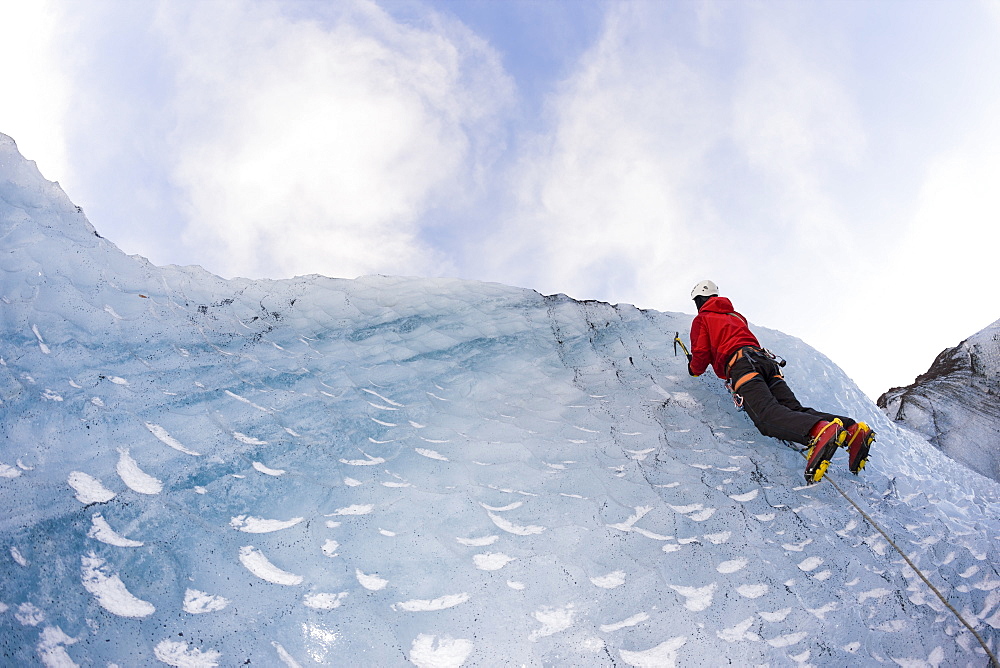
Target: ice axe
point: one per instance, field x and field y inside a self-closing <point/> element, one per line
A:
<point x="677" y="339"/>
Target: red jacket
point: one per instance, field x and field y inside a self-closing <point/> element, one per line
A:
<point x="716" y="334"/>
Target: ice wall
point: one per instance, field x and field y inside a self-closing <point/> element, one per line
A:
<point x="391" y="471"/>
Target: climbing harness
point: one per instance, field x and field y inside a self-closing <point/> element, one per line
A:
<point x="757" y="356"/>
<point x="913" y="566"/>
<point x="737" y="398"/>
<point x="760" y="360"/>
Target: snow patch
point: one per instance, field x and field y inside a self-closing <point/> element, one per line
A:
<point x="372" y="581"/>
<point x="442" y="603"/>
<point x="88" y="488"/>
<point x="625" y="623"/>
<point x="162" y="434"/>
<point x="177" y="653"/>
<point x="609" y="581"/>
<point x="110" y="591"/>
<point x="255" y="562"/>
<point x="428" y="651"/>
<point x="663" y="655"/>
<point x="696" y="599"/>
<point x="553" y="620"/>
<point x="261" y="525"/>
<point x="268" y="471"/>
<point x="518" y="530"/>
<point x="324" y="601"/>
<point x="133" y="476"/>
<point x="491" y="561"/>
<point x="199" y="602"/>
<point x="102" y="531"/>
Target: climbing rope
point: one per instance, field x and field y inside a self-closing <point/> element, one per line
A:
<point x="937" y="592"/>
<point x="873" y="523"/>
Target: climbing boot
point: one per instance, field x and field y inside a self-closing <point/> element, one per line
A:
<point x="824" y="439"/>
<point x="858" y="442"/>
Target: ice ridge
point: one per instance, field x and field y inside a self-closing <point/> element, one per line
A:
<point x="396" y="471"/>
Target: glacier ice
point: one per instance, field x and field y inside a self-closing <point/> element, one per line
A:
<point x="433" y="472"/>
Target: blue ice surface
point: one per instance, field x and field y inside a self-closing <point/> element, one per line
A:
<point x="398" y="471"/>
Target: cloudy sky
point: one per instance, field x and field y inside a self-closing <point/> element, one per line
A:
<point x="831" y="165"/>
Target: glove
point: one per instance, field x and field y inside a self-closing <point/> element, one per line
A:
<point x="690" y="372"/>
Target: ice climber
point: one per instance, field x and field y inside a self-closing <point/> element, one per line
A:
<point x="721" y="337"/>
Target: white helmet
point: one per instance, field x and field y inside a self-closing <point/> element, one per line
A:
<point x="705" y="289"/>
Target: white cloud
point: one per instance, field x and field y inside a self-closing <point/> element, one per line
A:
<point x="936" y="285"/>
<point x="781" y="150"/>
<point x="794" y="119"/>
<point x="604" y="196"/>
<point x="32" y="88"/>
<point x="672" y="158"/>
<point x="315" y="146"/>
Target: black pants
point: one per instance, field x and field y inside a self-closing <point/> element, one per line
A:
<point x="770" y="403"/>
